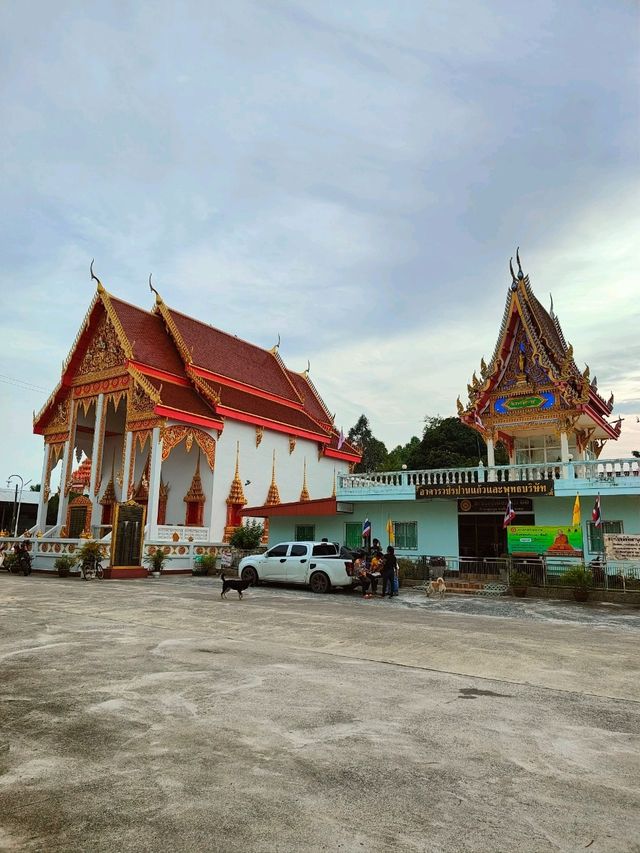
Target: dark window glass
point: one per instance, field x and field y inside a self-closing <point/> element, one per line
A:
<point x="278" y="551"/>
<point x="305" y="532"/>
<point x="298" y="551"/>
<point x="596" y="542"/>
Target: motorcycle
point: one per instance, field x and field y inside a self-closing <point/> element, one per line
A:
<point x="23" y="560"/>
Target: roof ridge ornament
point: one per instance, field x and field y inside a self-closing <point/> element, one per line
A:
<point x="94" y="277"/>
<point x="274" y="349"/>
<point x="153" y="290"/>
<point x="514" y="280"/>
<point x="520" y="273"/>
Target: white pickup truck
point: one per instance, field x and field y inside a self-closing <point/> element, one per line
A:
<point x="315" y="564"/>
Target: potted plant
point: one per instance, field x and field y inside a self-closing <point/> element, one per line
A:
<point x="581" y="579"/>
<point x="204" y="565"/>
<point x="247" y="536"/>
<point x="156" y="560"/>
<point x="64" y="563"/>
<point x="519" y="581"/>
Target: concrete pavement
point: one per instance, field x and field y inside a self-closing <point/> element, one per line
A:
<point x="151" y="715"/>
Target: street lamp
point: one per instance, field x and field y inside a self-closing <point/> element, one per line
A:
<point x="17" y="499"/>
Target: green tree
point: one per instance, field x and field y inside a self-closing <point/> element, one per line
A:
<point x="401" y="454"/>
<point x="448" y="443"/>
<point x="374" y="452"/>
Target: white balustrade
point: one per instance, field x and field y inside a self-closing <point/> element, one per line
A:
<point x="605" y="470"/>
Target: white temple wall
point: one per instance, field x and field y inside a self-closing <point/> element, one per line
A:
<point x="177" y="472"/>
<point x="256" y="465"/>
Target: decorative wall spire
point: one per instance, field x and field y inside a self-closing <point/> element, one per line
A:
<point x="333" y="493"/>
<point x="273" y="495"/>
<point x="236" y="492"/>
<point x="304" y="494"/>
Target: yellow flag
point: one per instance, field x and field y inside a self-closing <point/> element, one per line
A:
<point x="575" y="521"/>
<point x="390" y="532"/>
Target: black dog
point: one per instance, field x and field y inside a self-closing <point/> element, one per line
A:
<point x="232" y="583"/>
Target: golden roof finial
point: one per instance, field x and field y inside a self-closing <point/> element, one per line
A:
<point x="94" y="277"/>
<point x="304" y="494"/>
<point x="153" y="290"/>
<point x="307" y="371"/>
<point x="274" y="349"/>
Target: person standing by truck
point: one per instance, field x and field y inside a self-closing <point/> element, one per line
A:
<point x="389" y="572"/>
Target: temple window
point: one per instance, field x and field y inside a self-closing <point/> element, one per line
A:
<point x="596" y="542"/>
<point x="305" y="532"/>
<point x="406" y="534"/>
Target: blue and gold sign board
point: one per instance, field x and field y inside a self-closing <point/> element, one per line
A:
<point x="508" y="405"/>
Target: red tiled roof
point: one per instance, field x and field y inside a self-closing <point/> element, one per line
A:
<point x="82" y="475"/>
<point x="312" y="402"/>
<point x="182" y="398"/>
<point x="243" y="401"/>
<point x="150" y="342"/>
<point x="229" y="356"/>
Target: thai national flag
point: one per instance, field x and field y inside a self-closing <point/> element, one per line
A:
<point x="509" y="514"/>
<point x="596" y="515"/>
<point x="340" y="439"/>
<point x="366" y="529"/>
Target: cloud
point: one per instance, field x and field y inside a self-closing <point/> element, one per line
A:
<point x="352" y="177"/>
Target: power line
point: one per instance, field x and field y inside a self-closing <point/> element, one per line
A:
<point x="19" y="383"/>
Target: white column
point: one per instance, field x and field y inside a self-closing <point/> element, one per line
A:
<point x="155" y="466"/>
<point x="564" y="453"/>
<point x="41" y="518"/>
<point x="491" y="459"/>
<point x="95" y="506"/>
<point x="128" y="440"/>
<point x="64" y="499"/>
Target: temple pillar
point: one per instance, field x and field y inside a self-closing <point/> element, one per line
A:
<point x="128" y="442"/>
<point x="63" y="498"/>
<point x="564" y="453"/>
<point x="491" y="459"/>
<point x="97" y="447"/>
<point x="43" y="497"/>
<point x="155" y="466"/>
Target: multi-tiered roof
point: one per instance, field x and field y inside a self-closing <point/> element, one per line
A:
<point x="532" y="382"/>
<point x="194" y="372"/>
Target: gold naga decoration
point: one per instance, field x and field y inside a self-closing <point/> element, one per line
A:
<point x="292" y="444"/>
<point x="259" y="434"/>
<point x="173" y="435"/>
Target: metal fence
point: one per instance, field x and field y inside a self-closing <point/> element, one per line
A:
<point x="611" y="575"/>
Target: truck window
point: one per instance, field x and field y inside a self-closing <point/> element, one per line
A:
<point x="278" y="551"/>
<point x="325" y="549"/>
<point x="298" y="551"/>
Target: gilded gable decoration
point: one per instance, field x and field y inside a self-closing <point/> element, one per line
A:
<point x="173" y="435"/>
<point x="104" y="351"/>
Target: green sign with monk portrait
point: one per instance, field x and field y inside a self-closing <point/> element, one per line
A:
<point x="548" y="541"/>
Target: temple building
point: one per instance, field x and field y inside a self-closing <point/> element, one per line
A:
<point x="180" y="418"/>
<point x="553" y="423"/>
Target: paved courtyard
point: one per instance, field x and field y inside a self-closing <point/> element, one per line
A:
<point x="151" y="715"/>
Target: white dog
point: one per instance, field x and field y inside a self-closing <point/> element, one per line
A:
<point x="437" y="587"/>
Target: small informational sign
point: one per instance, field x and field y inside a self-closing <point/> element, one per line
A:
<point x="622" y="546"/>
<point x="226" y="560"/>
<point x="493" y="506"/>
<point x="479" y="490"/>
<point x="547" y="541"/>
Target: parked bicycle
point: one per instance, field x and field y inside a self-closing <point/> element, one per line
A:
<point x="22" y="558"/>
<point x="91" y="568"/>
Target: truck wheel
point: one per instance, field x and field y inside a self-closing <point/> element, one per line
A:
<point x="319" y="582"/>
<point x="250" y="575"/>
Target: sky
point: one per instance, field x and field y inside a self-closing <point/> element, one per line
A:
<point x="350" y="176"/>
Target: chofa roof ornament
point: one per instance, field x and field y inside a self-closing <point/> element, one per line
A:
<point x="94" y="277"/>
<point x="520" y="276"/>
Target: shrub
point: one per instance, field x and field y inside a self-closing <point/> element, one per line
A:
<point x="11" y="563"/>
<point x="519" y="579"/>
<point x="247" y="537"/>
<point x="406" y="568"/>
<point x="206" y="564"/>
<point x="156" y="560"/>
<point x="64" y="564"/>
<point x="578" y="576"/>
<point x="90" y="550"/>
